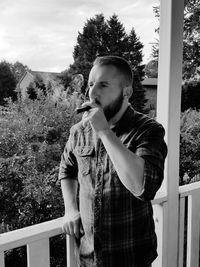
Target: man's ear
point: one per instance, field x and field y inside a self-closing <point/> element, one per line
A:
<point x="127" y="91"/>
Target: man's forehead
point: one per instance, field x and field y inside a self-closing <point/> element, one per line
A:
<point x="103" y="72"/>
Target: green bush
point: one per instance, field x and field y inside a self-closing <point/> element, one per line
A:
<point x="32" y="137"/>
<point x="189" y="145"/>
<point x="31" y="142"/>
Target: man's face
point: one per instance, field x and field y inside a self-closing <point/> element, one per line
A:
<point x="106" y="89"/>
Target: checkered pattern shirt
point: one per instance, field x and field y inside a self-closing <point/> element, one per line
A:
<point x="119" y="227"/>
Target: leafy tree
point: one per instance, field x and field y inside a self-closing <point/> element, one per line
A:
<point x="7" y="83"/>
<point x="191" y="39"/>
<point x="191" y="42"/>
<point x="18" y="69"/>
<point x="100" y="37"/>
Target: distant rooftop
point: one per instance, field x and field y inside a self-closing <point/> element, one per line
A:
<point x="44" y="74"/>
<point x="150" y="81"/>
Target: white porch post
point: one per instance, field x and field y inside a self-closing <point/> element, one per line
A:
<point x="168" y="113"/>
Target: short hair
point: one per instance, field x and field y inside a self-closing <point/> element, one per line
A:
<point x="120" y="63"/>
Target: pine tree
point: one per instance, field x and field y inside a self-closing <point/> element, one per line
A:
<point x="134" y="56"/>
<point x="90" y="43"/>
<point x="118" y="39"/>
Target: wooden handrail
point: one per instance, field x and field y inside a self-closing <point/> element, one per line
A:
<point x="21" y="237"/>
<point x="184" y="190"/>
<point x="188" y="189"/>
<point x="160" y="198"/>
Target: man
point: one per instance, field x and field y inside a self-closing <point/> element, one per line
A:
<point x="113" y="161"/>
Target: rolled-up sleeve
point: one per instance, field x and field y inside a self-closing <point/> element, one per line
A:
<point x="152" y="148"/>
<point x="68" y="165"/>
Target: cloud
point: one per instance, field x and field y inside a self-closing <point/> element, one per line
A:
<point x="42" y="33"/>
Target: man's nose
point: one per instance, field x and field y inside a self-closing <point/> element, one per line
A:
<point x="93" y="91"/>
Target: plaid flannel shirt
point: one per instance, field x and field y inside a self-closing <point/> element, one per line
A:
<point x="119" y="227"/>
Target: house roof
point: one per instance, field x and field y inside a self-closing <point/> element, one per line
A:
<point x="44" y="74"/>
<point x="150" y="81"/>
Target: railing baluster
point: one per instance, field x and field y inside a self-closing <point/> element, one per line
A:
<point x="181" y="230"/>
<point x="193" y="230"/>
<point x="38" y="253"/>
<point x="2" y="259"/>
<point x="71" y="260"/>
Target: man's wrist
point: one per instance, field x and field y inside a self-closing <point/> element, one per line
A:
<point x="72" y="213"/>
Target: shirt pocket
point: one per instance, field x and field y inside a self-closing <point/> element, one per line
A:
<point x="84" y="156"/>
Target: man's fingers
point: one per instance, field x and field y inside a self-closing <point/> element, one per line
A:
<point x="68" y="227"/>
<point x="73" y="227"/>
<point x="65" y="228"/>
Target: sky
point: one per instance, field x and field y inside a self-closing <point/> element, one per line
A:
<point x="42" y="33"/>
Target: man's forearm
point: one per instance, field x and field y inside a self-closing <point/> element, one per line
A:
<point x="69" y="191"/>
<point x="129" y="167"/>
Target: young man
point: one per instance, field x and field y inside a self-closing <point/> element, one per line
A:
<point x="110" y="169"/>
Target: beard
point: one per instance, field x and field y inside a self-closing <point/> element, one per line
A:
<point x="113" y="108"/>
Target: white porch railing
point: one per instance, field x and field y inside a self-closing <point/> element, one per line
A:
<point x="189" y="222"/>
<point x="36" y="237"/>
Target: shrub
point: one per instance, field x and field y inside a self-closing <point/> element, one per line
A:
<point x="189" y="145"/>
<point x="32" y="137"/>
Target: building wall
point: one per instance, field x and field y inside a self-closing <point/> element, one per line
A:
<point x="28" y="78"/>
<point x="151" y="95"/>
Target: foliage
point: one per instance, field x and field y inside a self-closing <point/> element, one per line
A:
<point x="33" y="134"/>
<point x="190" y="145"/>
<point x="191" y="95"/>
<point x="134" y="56"/>
<point x="18" y="69"/>
<point x="7" y="83"/>
<point x="33" y="138"/>
<point x="36" y="86"/>
<point x="101" y="37"/>
<point x="32" y="91"/>
<point x="191" y="39"/>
